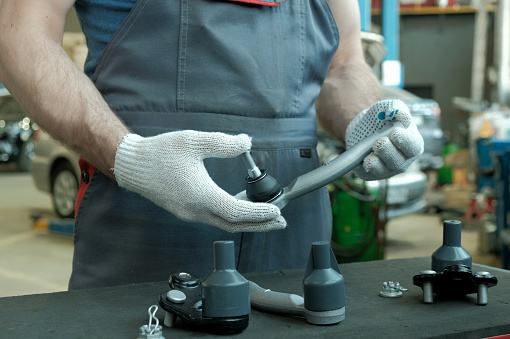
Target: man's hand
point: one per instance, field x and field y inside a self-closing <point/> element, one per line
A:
<point x="391" y="155"/>
<point x="168" y="169"/>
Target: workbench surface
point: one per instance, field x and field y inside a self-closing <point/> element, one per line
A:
<point x="119" y="312"/>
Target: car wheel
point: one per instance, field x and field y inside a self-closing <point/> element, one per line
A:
<point x="64" y="188"/>
<point x="26" y="155"/>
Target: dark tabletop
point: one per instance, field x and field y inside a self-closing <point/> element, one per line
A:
<point x="119" y="312"/>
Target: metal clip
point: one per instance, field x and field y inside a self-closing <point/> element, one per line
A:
<point x="151" y="331"/>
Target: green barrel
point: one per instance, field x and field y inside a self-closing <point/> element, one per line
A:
<point x="358" y="234"/>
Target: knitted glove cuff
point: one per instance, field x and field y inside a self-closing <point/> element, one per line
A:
<point x="129" y="162"/>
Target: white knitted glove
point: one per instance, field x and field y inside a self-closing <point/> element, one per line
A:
<point x="391" y="155"/>
<point x="169" y="170"/>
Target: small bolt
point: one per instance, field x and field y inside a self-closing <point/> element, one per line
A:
<point x="176" y="296"/>
<point x="169" y="319"/>
<point x="428" y="272"/>
<point x="428" y="292"/>
<point x="482" y="296"/>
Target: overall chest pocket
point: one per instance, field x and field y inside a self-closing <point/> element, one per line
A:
<point x="262" y="2"/>
<point x="241" y="59"/>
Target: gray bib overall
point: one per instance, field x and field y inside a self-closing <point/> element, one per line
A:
<point x="216" y="66"/>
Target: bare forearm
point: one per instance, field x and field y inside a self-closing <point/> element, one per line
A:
<point x="347" y="90"/>
<point x="58" y="96"/>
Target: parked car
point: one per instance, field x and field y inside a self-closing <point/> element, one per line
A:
<point x="16" y="133"/>
<point x="55" y="170"/>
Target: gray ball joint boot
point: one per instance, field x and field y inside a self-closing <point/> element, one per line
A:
<point x="451" y="252"/>
<point x="225" y="293"/>
<point x="323" y="287"/>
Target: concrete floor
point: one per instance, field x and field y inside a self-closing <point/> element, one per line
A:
<point x="31" y="261"/>
<point x="36" y="261"/>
